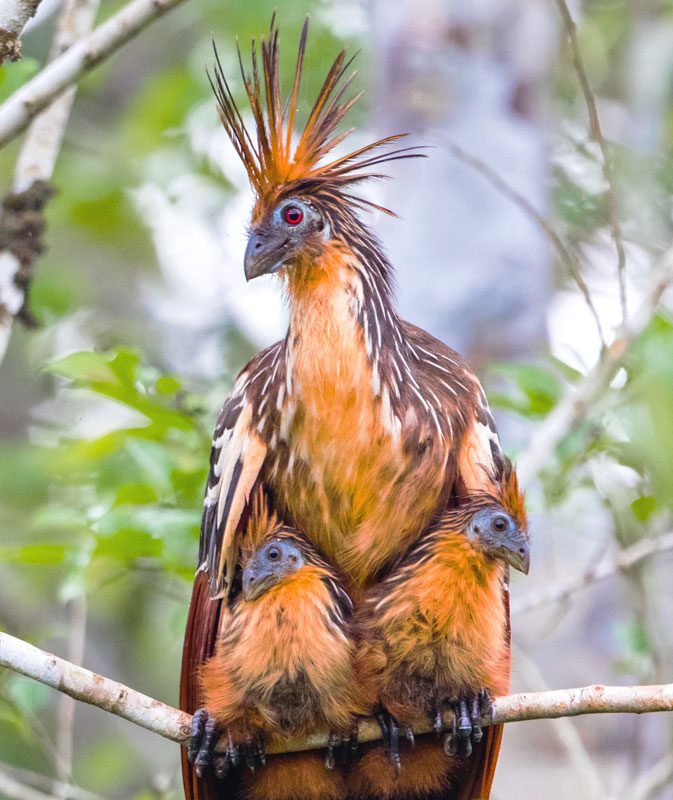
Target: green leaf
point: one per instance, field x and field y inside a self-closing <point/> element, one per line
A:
<point x="128" y="545"/>
<point x="645" y="507"/>
<point x="167" y="385"/>
<point x="85" y="366"/>
<point x="39" y="554"/>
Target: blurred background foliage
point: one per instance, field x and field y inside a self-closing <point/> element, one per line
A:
<point x="106" y="409"/>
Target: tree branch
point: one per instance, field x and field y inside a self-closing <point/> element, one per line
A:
<point x="597" y="136"/>
<point x="11" y="789"/>
<point x="172" y="724"/>
<point x="30" y="99"/>
<point x="22" y="220"/>
<point x="606" y="568"/>
<point x="507" y="190"/>
<point x="579" y="399"/>
<point x="14" y="16"/>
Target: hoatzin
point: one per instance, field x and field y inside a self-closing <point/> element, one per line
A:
<point x="358" y="427"/>
<point x="433" y="636"/>
<point x="302" y="680"/>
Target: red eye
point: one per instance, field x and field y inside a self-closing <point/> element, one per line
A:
<point x="293" y="215"/>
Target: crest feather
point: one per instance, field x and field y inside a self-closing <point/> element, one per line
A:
<point x="269" y="160"/>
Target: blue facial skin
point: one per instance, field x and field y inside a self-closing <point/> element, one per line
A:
<point x="276" y="559"/>
<point x="292" y="226"/>
<point x="496" y="532"/>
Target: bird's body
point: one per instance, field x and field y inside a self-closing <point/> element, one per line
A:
<point x="353" y="457"/>
<point x="359" y="427"/>
<point x="434" y="633"/>
<point x="260" y="694"/>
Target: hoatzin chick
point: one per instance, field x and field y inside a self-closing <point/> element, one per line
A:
<point x="434" y="635"/>
<point x="360" y="427"/>
<point x="283" y="666"/>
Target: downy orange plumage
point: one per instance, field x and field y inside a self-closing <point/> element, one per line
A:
<point x="283" y="666"/>
<point x="434" y="634"/>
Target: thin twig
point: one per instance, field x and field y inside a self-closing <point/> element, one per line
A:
<point x="597" y="135"/>
<point x="65" y="725"/>
<point x="582" y="765"/>
<point x="579" y="399"/>
<point x="11" y="789"/>
<point x="649" y="783"/>
<point x="82" y="57"/>
<point x="606" y="568"/>
<point x="507" y="190"/>
<point x="43" y="782"/>
<point x="34" y="169"/>
<point x="14" y="16"/>
<point x="172" y="724"/>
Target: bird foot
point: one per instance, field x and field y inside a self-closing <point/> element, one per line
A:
<point x="341" y="747"/>
<point x="465" y="730"/>
<point x="203" y="739"/>
<point x="391" y="730"/>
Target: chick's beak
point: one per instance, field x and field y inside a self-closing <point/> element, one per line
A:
<point x="265" y="253"/>
<point x="517" y="555"/>
<point x="256" y="581"/>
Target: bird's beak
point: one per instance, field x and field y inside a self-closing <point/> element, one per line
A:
<point x="517" y="555"/>
<point x="265" y="253"/>
<point x="256" y="582"/>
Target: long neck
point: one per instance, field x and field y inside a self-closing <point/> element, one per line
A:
<point x="341" y="310"/>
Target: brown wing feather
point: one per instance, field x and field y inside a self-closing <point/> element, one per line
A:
<point x="236" y="460"/>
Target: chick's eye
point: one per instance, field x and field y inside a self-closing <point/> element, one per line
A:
<point x="499" y="524"/>
<point x="273" y="554"/>
<point x="293" y="215"/>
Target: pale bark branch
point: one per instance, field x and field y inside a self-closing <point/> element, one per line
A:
<point x="40" y="782"/>
<point x="605" y="568"/>
<point x="34" y="169"/>
<point x="172" y="724"/>
<point x="30" y="99"/>
<point x="652" y="781"/>
<point x="586" y="774"/>
<point x="65" y="715"/>
<point x="580" y="398"/>
<point x="599" y="138"/>
<point x="12" y="789"/>
<point x="14" y="16"/>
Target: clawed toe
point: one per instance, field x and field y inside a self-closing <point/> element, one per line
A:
<point x="201" y="748"/>
<point x="391" y="730"/>
<point x="465" y="729"/>
<point x="341" y="748"/>
<point x="202" y="740"/>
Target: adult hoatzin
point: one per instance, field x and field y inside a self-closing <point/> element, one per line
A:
<point x="359" y="427"/>
<point x="433" y="636"/>
<point x="283" y="666"/>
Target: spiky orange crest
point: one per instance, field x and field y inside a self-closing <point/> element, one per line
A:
<point x="273" y="167"/>
<point x="512" y="498"/>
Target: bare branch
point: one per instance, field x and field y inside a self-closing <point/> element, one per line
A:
<point x="597" y="135"/>
<point x="172" y="724"/>
<point x="586" y="773"/>
<point x="90" y="688"/>
<point x="14" y="16"/>
<point x="44" y="783"/>
<point x="30" y="99"/>
<point x="11" y="789"/>
<point x="653" y="780"/>
<point x="567" y="258"/>
<point x="22" y="221"/>
<point x="65" y="728"/>
<point x="578" y="399"/>
<point x="606" y="568"/>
